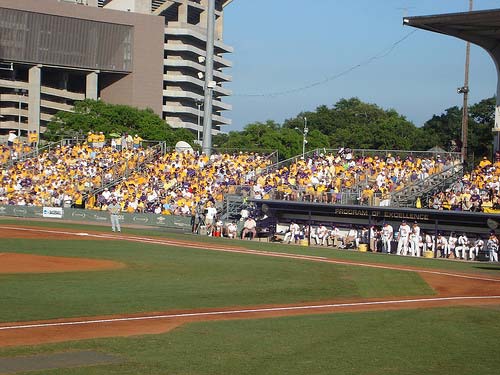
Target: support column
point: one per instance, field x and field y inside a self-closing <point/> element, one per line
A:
<point x="204" y="14"/>
<point x="219" y="27"/>
<point x="209" y="83"/>
<point x="34" y="86"/>
<point x="91" y="87"/>
<point x="496" y="127"/>
<point x="183" y="12"/>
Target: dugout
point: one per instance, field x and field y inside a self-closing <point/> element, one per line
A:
<point x="345" y="216"/>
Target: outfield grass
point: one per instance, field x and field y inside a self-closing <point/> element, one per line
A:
<point x="458" y="341"/>
<point x="159" y="278"/>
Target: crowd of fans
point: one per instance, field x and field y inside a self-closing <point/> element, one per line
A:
<point x="327" y="177"/>
<point x="63" y="175"/>
<point x="477" y="191"/>
<point x="192" y="184"/>
<point x="16" y="149"/>
<point x="175" y="182"/>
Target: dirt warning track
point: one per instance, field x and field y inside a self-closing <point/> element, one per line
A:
<point x="453" y="289"/>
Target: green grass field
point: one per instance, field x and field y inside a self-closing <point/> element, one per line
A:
<point x="459" y="341"/>
<point x="163" y="278"/>
<point x="158" y="278"/>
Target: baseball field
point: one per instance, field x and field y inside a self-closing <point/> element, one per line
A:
<point x="78" y="299"/>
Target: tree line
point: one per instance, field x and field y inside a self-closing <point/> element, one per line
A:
<point x="355" y="124"/>
<point x="348" y="123"/>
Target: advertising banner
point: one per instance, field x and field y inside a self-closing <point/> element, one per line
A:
<point x="53" y="212"/>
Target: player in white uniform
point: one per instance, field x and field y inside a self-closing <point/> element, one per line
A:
<point x="428" y="242"/>
<point x="452" y="244"/>
<point x="293" y="230"/>
<point x="334" y="235"/>
<point x="320" y="235"/>
<point x="463" y="247"/>
<point x="478" y="246"/>
<point x="415" y="240"/>
<point x="492" y="246"/>
<point x="442" y="245"/>
<point x="403" y="238"/>
<point x="387" y="236"/>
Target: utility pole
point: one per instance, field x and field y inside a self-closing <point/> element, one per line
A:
<point x="209" y="83"/>
<point x="304" y="138"/>
<point x="465" y="91"/>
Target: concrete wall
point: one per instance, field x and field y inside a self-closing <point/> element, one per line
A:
<point x="139" y="6"/>
<point x="142" y="88"/>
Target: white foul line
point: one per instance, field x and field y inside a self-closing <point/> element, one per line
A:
<point x="245" y="311"/>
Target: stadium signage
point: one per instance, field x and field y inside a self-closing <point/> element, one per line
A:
<point x="381" y="214"/>
<point x="53" y="212"/>
<point x="171" y="221"/>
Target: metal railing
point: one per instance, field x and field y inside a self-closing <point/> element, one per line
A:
<point x="444" y="155"/>
<point x="152" y="154"/>
<point x="426" y="188"/>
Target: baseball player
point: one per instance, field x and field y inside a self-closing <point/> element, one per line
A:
<point x="387" y="236"/>
<point x="114" y="209"/>
<point x="403" y="238"/>
<point x="415" y="240"/>
<point x="463" y="247"/>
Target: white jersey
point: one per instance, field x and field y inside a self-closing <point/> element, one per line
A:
<point x="428" y="239"/>
<point x="211" y="212"/>
<point x="416" y="230"/>
<point x="294" y="228"/>
<point x="387" y="231"/>
<point x="442" y="241"/>
<point x="404" y="231"/>
<point x="452" y="242"/>
<point x="322" y="231"/>
<point x="463" y="241"/>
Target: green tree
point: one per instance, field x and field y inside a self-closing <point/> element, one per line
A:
<point x="95" y="115"/>
<point x="445" y="128"/>
<point x="481" y="123"/>
<point x="353" y="123"/>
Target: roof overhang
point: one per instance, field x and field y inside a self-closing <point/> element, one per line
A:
<point x="479" y="27"/>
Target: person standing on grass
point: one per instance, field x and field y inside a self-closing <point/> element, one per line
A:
<point x="415" y="240"/>
<point x="387" y="236"/>
<point x="210" y="215"/>
<point x="114" y="209"/>
<point x="492" y="246"/>
<point x="403" y="238"/>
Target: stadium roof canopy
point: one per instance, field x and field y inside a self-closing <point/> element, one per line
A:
<point x="479" y="27"/>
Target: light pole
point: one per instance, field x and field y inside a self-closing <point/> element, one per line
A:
<point x="206" y="146"/>
<point x="306" y="130"/>
<point x="304" y="137"/>
<point x="199" y="103"/>
<point x="465" y="91"/>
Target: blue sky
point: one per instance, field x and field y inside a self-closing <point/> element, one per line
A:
<point x="284" y="46"/>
